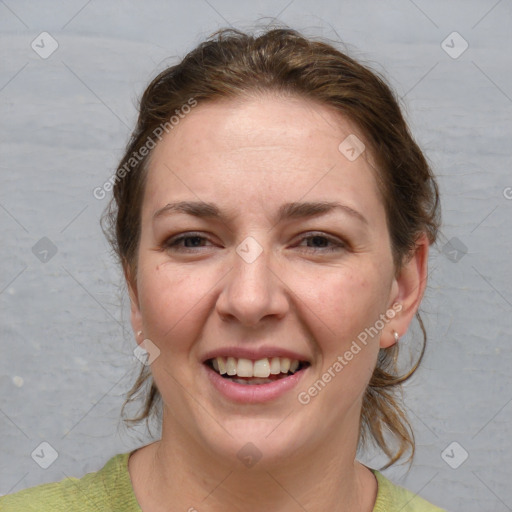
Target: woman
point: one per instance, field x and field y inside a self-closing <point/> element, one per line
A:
<point x="273" y="217"/>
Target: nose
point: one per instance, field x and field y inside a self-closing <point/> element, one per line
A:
<point x="252" y="292"/>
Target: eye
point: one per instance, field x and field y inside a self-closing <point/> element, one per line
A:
<point x="320" y="242"/>
<point x="187" y="242"/>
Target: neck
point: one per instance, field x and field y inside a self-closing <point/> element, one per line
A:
<point x="176" y="470"/>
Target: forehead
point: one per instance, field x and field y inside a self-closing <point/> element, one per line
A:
<point x="260" y="150"/>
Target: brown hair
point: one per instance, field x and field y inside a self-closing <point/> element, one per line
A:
<point x="231" y="64"/>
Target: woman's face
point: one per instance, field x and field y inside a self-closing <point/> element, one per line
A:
<point x="262" y="241"/>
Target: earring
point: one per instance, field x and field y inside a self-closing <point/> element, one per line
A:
<point x="139" y="333"/>
<point x="397" y="337"/>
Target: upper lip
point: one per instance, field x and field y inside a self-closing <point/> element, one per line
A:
<point x="253" y="353"/>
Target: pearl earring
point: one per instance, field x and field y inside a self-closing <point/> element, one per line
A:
<point x="397" y="337"/>
<point x="139" y="333"/>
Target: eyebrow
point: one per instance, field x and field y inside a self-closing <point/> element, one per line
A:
<point x="296" y="210"/>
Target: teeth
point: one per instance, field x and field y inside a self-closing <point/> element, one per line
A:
<point x="231" y="366"/>
<point x="258" y="370"/>
<point x="222" y="365"/>
<point x="244" y="368"/>
<point x="275" y="366"/>
<point x="261" y="368"/>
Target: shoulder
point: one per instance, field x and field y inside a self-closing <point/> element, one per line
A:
<point x="108" y="487"/>
<point x="391" y="497"/>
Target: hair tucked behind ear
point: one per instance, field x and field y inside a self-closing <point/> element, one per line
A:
<point x="382" y="411"/>
<point x="231" y="64"/>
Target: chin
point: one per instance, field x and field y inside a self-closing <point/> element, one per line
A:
<point x="266" y="442"/>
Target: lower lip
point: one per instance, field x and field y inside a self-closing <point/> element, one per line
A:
<point x="253" y="393"/>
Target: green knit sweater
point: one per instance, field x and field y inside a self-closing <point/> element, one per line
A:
<point x="110" y="490"/>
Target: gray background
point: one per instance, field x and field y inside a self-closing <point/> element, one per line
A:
<point x="66" y="348"/>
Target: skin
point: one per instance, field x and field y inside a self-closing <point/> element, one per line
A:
<point x="249" y="157"/>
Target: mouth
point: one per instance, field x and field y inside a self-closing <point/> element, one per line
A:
<point x="259" y="372"/>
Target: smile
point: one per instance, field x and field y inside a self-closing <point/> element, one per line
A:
<point x="262" y="371"/>
<point x="252" y="381"/>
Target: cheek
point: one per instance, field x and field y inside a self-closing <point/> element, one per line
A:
<point x="344" y="302"/>
<point x="171" y="300"/>
<point x="348" y="304"/>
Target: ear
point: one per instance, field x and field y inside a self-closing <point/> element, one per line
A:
<point x="135" y="313"/>
<point x="407" y="291"/>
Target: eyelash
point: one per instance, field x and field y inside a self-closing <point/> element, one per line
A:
<point x="174" y="243"/>
<point x="337" y="245"/>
